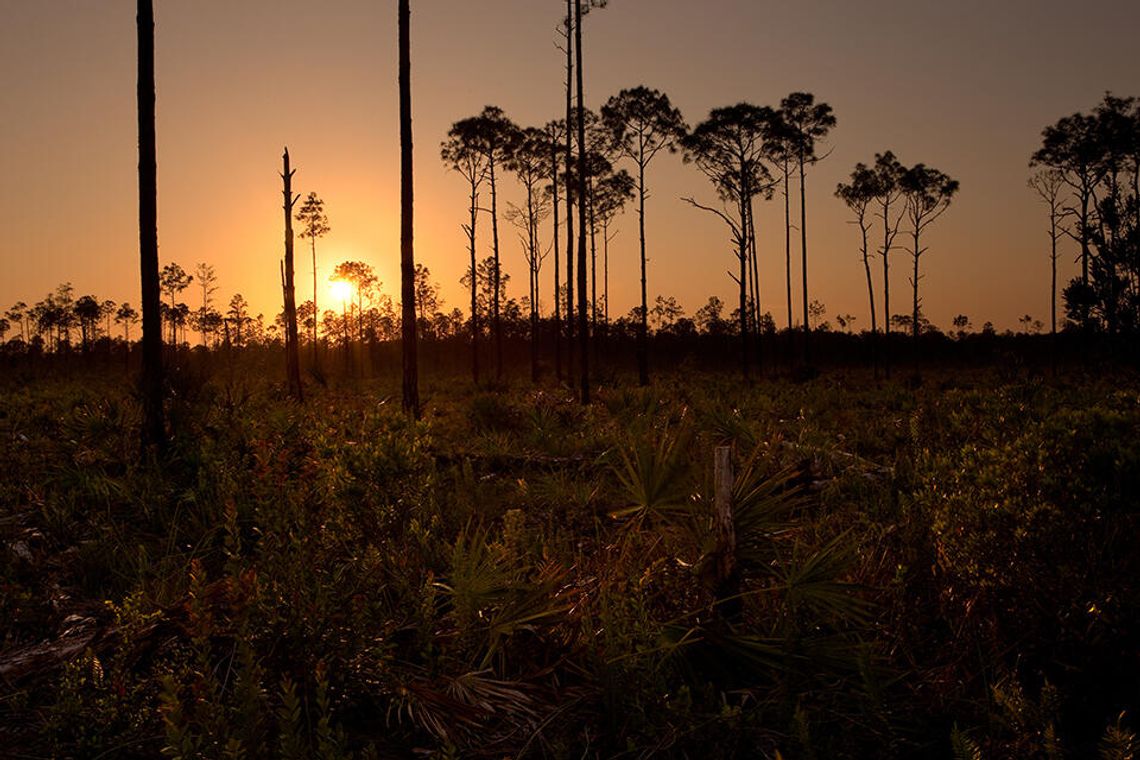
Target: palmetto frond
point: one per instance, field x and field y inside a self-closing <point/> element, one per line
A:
<point x="811" y="584"/>
<point x="653" y="477"/>
<point x="764" y="506"/>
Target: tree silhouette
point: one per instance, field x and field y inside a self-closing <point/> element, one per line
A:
<point x="484" y="280"/>
<point x="363" y="281"/>
<point x="580" y="9"/>
<point x="88" y="311"/>
<point x="427" y="296"/>
<point x="1094" y="154"/>
<point x="292" y="349"/>
<point x="859" y="194"/>
<point x="528" y="161"/>
<point x="461" y="151"/>
<point x="1116" y="235"/>
<point x="173" y="280"/>
<point x="643" y="123"/>
<point x="928" y="193"/>
<point x="807" y="122"/>
<point x="208" y="282"/>
<point x="314" y="225"/>
<point x="18" y="315"/>
<point x="238" y="317"/>
<point x="154" y="431"/>
<point x="555" y="133"/>
<point x="599" y="166"/>
<point x="1048" y="184"/>
<point x="126" y="316"/>
<point x="107" y="309"/>
<point x="781" y="153"/>
<point x="568" y="124"/>
<point x="495" y="136"/>
<point x="1073" y="147"/>
<point x="729" y="148"/>
<point x="888" y="175"/>
<point x="610" y="196"/>
<point x="411" y="388"/>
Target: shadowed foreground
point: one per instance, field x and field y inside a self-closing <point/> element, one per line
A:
<point x="919" y="572"/>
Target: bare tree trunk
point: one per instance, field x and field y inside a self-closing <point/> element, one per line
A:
<point x="870" y="293"/>
<point x="914" y="282"/>
<point x="788" y="238"/>
<point x="804" y="259"/>
<point x="606" y="277"/>
<point x="557" y="264"/>
<point x="757" y="304"/>
<point x="496" y="318"/>
<point x="742" y="254"/>
<point x="532" y="244"/>
<point x="570" y="327"/>
<point x="583" y="324"/>
<point x="474" y="287"/>
<point x="1053" y="287"/>
<point x="593" y="272"/>
<point x="292" y="350"/>
<point x="154" y="428"/>
<point x="886" y="291"/>
<point x="411" y="392"/>
<point x="316" y="313"/>
<point x="643" y="325"/>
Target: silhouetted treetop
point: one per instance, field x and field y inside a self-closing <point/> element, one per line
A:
<point x="729" y="148"/>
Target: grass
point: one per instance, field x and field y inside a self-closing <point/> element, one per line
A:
<point x="932" y="570"/>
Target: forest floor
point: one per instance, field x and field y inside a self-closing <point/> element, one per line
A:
<point x="943" y="568"/>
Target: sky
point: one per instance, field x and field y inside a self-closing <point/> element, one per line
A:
<point x="963" y="86"/>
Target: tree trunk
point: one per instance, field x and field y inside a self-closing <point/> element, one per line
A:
<point x="788" y="239"/>
<point x="886" y="291"/>
<point x="593" y="271"/>
<point x="758" y="311"/>
<point x="1053" y="288"/>
<point x="316" y="313"/>
<point x="411" y="392"/>
<point x="154" y="429"/>
<point x="870" y="291"/>
<point x="292" y="349"/>
<point x="742" y="254"/>
<point x="474" y="286"/>
<point x="804" y="259"/>
<point x="1053" y="261"/>
<point x="914" y="315"/>
<point x="557" y="264"/>
<point x="583" y="324"/>
<point x="496" y="319"/>
<point x="570" y="327"/>
<point x="606" y="277"/>
<point x="532" y="244"/>
<point x="643" y="325"/>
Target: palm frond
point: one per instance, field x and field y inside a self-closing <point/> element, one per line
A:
<point x="811" y="583"/>
<point x="963" y="747"/>
<point x="653" y="478"/>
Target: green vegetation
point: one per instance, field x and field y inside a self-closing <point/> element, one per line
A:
<point x="947" y="570"/>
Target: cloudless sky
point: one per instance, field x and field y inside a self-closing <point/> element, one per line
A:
<point x="964" y="86"/>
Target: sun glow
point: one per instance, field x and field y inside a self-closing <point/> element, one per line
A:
<point x="341" y="290"/>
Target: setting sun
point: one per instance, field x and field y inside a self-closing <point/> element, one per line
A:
<point x="341" y="290"/>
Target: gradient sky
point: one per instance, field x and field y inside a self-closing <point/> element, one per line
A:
<point x="965" y="86"/>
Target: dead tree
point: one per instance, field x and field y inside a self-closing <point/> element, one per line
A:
<point x="292" y="349"/>
<point x="411" y="392"/>
<point x="154" y="428"/>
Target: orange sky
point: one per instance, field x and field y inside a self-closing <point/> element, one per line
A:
<point x="964" y="86"/>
